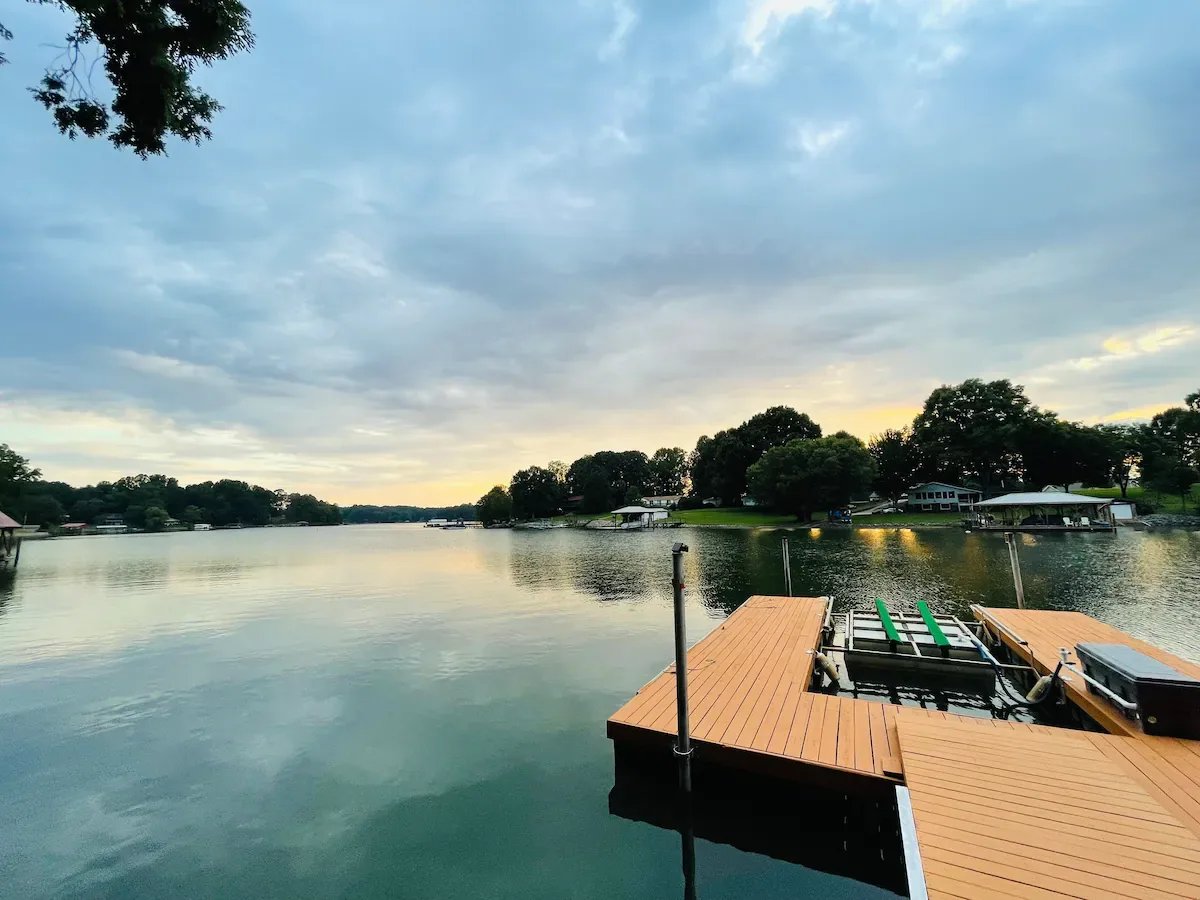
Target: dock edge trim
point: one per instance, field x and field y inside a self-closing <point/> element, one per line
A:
<point x="912" y="852"/>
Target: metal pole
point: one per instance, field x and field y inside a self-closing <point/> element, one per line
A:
<point x="683" y="747"/>
<point x="787" y="567"/>
<point x="688" y="842"/>
<point x="1016" y="569"/>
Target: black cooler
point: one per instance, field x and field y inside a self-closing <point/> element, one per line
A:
<point x="1168" y="701"/>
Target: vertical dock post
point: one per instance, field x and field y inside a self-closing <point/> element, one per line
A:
<point x="683" y="747"/>
<point x="787" y="567"/>
<point x="687" y="839"/>
<point x="1016" y="569"/>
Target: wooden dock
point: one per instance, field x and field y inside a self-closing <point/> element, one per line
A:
<point x="1170" y="765"/>
<point x="751" y="707"/>
<point x="1030" y="811"/>
<point x="1000" y="809"/>
<point x="1037" y="635"/>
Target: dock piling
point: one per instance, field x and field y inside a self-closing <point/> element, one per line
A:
<point x="787" y="568"/>
<point x="1016" y="569"/>
<point x="687" y="840"/>
<point x="683" y="746"/>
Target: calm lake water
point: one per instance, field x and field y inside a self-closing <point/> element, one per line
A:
<point x="392" y="711"/>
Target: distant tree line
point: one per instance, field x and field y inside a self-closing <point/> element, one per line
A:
<point x="151" y="502"/>
<point x="597" y="482"/>
<point x="361" y="514"/>
<point x="989" y="436"/>
<point x="983" y="435"/>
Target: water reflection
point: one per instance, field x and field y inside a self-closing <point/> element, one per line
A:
<point x="383" y="710"/>
<point x="819" y="830"/>
<point x="1138" y="581"/>
<point x="6" y="590"/>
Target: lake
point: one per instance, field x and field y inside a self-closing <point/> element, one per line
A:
<point x="393" y="711"/>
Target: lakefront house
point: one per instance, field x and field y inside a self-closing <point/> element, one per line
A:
<point x="937" y="496"/>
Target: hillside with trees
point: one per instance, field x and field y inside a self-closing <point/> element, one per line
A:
<point x="364" y="514"/>
<point x="151" y="502"/>
<point x="985" y="435"/>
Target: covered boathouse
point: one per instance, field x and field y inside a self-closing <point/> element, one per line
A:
<point x="1042" y="511"/>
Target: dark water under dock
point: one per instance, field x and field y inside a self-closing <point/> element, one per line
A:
<point x="390" y="711"/>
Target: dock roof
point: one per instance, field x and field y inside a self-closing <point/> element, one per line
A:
<point x="7" y="521"/>
<point x="1045" y="498"/>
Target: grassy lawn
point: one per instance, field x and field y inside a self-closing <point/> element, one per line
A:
<point x="707" y="516"/>
<point x="906" y="519"/>
<point x="750" y="518"/>
<point x="730" y="516"/>
<point x="1163" y="503"/>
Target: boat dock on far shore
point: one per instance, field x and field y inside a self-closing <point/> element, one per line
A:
<point x="987" y="807"/>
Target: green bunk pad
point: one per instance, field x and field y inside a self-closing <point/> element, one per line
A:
<point x="939" y="636"/>
<point x="885" y="618"/>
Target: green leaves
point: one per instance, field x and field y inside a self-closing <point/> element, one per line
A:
<point x="815" y="473"/>
<point x="494" y="506"/>
<point x="149" y="50"/>
<point x="719" y="463"/>
<point x="897" y="459"/>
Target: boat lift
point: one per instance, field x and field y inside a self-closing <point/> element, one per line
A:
<point x="878" y="642"/>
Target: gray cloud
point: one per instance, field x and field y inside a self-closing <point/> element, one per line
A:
<point x="434" y="242"/>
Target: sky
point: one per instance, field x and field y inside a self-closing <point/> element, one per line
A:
<point x="433" y="243"/>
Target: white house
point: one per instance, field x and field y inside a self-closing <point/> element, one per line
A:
<point x="937" y="496"/>
<point x="667" y="501"/>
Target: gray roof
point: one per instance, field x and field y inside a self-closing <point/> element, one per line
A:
<point x="630" y="510"/>
<point x="1044" y="498"/>
<point x="957" y="487"/>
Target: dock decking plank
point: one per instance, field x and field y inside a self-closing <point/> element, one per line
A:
<point x="765" y="667"/>
<point x="712" y="714"/>
<point x="1003" y="808"/>
<point x="1168" y="768"/>
<point x="1046" y="631"/>
<point x="747" y="692"/>
<point x="812" y="735"/>
<point x="705" y="670"/>
<point x="1015" y="830"/>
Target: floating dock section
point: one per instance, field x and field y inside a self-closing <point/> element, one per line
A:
<point x="750" y="707"/>
<point x="989" y="808"/>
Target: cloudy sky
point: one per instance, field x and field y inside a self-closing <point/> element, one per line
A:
<point x="435" y="242"/>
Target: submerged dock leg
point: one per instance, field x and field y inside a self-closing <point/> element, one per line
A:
<point x="687" y="839"/>
<point x="787" y="567"/>
<point x="1016" y="569"/>
<point x="683" y="746"/>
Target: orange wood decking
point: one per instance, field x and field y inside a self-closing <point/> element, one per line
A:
<point x="1030" y="811"/>
<point x="749" y="703"/>
<point x="767" y="642"/>
<point x="1035" y="635"/>
<point x="1168" y="767"/>
<point x="1002" y="809"/>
